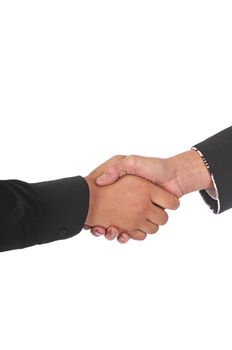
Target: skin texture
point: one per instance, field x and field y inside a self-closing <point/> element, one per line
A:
<point x="181" y="174"/>
<point x="127" y="205"/>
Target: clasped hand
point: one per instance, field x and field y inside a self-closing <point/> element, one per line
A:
<point x="131" y="207"/>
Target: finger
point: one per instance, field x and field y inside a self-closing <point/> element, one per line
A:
<point x="98" y="231"/>
<point x="123" y="238"/>
<point x="112" y="233"/>
<point x="138" y="235"/>
<point x="86" y="227"/>
<point x="158" y="215"/>
<point x="149" y="227"/>
<point x="115" y="171"/>
<point x="164" y="199"/>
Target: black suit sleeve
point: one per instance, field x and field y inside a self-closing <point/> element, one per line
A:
<point x="41" y="212"/>
<point x="217" y="151"/>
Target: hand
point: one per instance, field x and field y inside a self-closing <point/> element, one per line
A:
<point x="112" y="232"/>
<point x="128" y="205"/>
<point x="179" y="175"/>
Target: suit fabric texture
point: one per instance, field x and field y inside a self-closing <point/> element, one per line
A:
<point x="217" y="150"/>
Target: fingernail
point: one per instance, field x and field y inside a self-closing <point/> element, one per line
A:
<point x="111" y="233"/>
<point x="101" y="178"/>
<point x="123" y="238"/>
<point x="97" y="233"/>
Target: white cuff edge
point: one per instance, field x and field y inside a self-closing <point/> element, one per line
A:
<point x="212" y="193"/>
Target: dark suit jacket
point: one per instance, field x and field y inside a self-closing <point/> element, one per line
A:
<point x="217" y="150"/>
<point x="41" y="212"/>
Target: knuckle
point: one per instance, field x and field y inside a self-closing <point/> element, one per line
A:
<point x="174" y="203"/>
<point x="131" y="160"/>
<point x="177" y="203"/>
<point x="164" y="218"/>
<point x="118" y="157"/>
<point x="140" y="208"/>
<point x="138" y="235"/>
<point x="142" y="238"/>
<point x="156" y="229"/>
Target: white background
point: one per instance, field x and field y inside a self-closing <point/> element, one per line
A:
<point x="81" y="81"/>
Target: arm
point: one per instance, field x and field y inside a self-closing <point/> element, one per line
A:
<point x="217" y="153"/>
<point x="186" y="172"/>
<point x="42" y="212"/>
<point x="47" y="211"/>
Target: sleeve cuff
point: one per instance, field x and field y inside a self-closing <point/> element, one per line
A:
<point x="64" y="205"/>
<point x="211" y="197"/>
<point x="217" y="151"/>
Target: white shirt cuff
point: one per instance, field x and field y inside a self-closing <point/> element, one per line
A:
<point x="212" y="192"/>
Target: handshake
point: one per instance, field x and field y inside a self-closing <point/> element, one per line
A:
<point x="129" y="195"/>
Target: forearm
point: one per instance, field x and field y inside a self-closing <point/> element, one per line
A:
<point x="191" y="172"/>
<point x="217" y="152"/>
<point x="41" y="212"/>
<point x="213" y="176"/>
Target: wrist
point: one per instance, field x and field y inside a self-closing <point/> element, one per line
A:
<point x="92" y="195"/>
<point x="192" y="173"/>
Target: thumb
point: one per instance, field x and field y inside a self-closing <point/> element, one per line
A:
<point x="113" y="173"/>
<point x="108" y="178"/>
